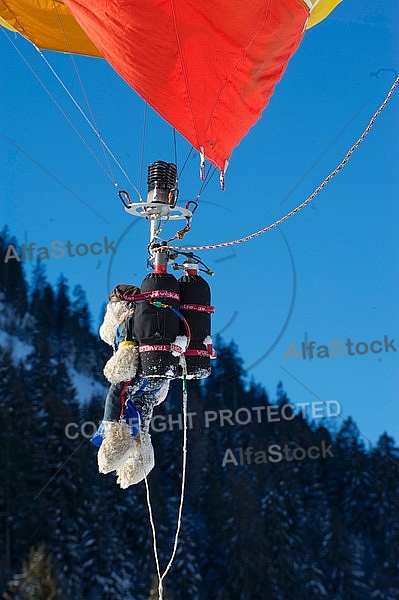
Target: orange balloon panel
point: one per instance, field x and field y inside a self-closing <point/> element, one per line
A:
<point x="208" y="67"/>
<point x="47" y="24"/>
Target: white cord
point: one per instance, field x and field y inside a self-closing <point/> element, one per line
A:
<point x="162" y="576"/>
<point x="184" y="468"/>
<point x="86" y="118"/>
<point x="80" y="109"/>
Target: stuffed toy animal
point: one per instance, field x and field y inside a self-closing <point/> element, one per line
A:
<point x="123" y="437"/>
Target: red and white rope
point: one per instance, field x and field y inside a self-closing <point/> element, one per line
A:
<point x="310" y="198"/>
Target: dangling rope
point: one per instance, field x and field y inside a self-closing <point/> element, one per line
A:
<point x="90" y="124"/>
<point x="79" y="108"/>
<point x="206" y="181"/>
<point x="186" y="161"/>
<point x="175" y="149"/>
<point x="85" y="96"/>
<point x="310" y="198"/>
<point x="161" y="576"/>
<point x="143" y="136"/>
<point x="83" y="140"/>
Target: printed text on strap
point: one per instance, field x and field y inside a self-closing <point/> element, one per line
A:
<point x="204" y="353"/>
<point x="161" y="348"/>
<point x="153" y="294"/>
<point x="198" y="307"/>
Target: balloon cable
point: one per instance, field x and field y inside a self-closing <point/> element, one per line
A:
<point x="161" y="576"/>
<point x="186" y="161"/>
<point x="143" y="135"/>
<point x="58" y="105"/>
<point x="207" y="180"/>
<point x="82" y="87"/>
<point x="175" y="148"/>
<point x="310" y="198"/>
<point x="90" y="124"/>
<point x="79" y="108"/>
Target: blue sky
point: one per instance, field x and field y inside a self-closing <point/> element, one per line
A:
<point x="329" y="273"/>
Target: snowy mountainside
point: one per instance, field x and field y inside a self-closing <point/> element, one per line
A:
<point x="86" y="386"/>
<point x="16" y="338"/>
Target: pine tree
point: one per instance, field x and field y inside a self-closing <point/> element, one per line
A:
<point x="384" y="551"/>
<point x="62" y="316"/>
<point x="42" y="301"/>
<point x="81" y="338"/>
<point x="37" y="580"/>
<point x="13" y="288"/>
<point x="309" y="530"/>
<point x="7" y="407"/>
<point x="80" y="309"/>
<point x="18" y="429"/>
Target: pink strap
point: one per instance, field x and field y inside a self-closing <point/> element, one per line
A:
<point x="153" y="294"/>
<point x="198" y="307"/>
<point x="161" y="348"/>
<point x="210" y="353"/>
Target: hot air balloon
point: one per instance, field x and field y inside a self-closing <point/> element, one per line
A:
<point x="208" y="68"/>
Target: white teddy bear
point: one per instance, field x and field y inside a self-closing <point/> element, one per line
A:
<point x="124" y="439"/>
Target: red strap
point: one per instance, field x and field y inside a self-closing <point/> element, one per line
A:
<point x="161" y="348"/>
<point x="198" y="307"/>
<point x="209" y="353"/>
<point x="122" y="397"/>
<point x="155" y="348"/>
<point x="212" y="351"/>
<point x="153" y="294"/>
<point x="205" y="353"/>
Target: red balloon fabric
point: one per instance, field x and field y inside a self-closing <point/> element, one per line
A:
<point x="208" y="67"/>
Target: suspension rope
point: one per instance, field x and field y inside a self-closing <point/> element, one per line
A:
<point x="160" y="225"/>
<point x="175" y="148"/>
<point x="143" y="135"/>
<point x="85" y="143"/>
<point x="161" y="576"/>
<point x="309" y="199"/>
<point x="186" y="161"/>
<point x="77" y="105"/>
<point x="154" y="533"/>
<point x="206" y="181"/>
<point x="184" y="468"/>
<point x="85" y="96"/>
<point x="90" y="124"/>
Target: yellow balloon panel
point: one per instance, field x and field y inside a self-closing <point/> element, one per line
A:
<point x="48" y="24"/>
<point x="321" y="10"/>
<point x="4" y="23"/>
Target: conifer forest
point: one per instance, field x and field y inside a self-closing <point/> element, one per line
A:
<point x="252" y="528"/>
